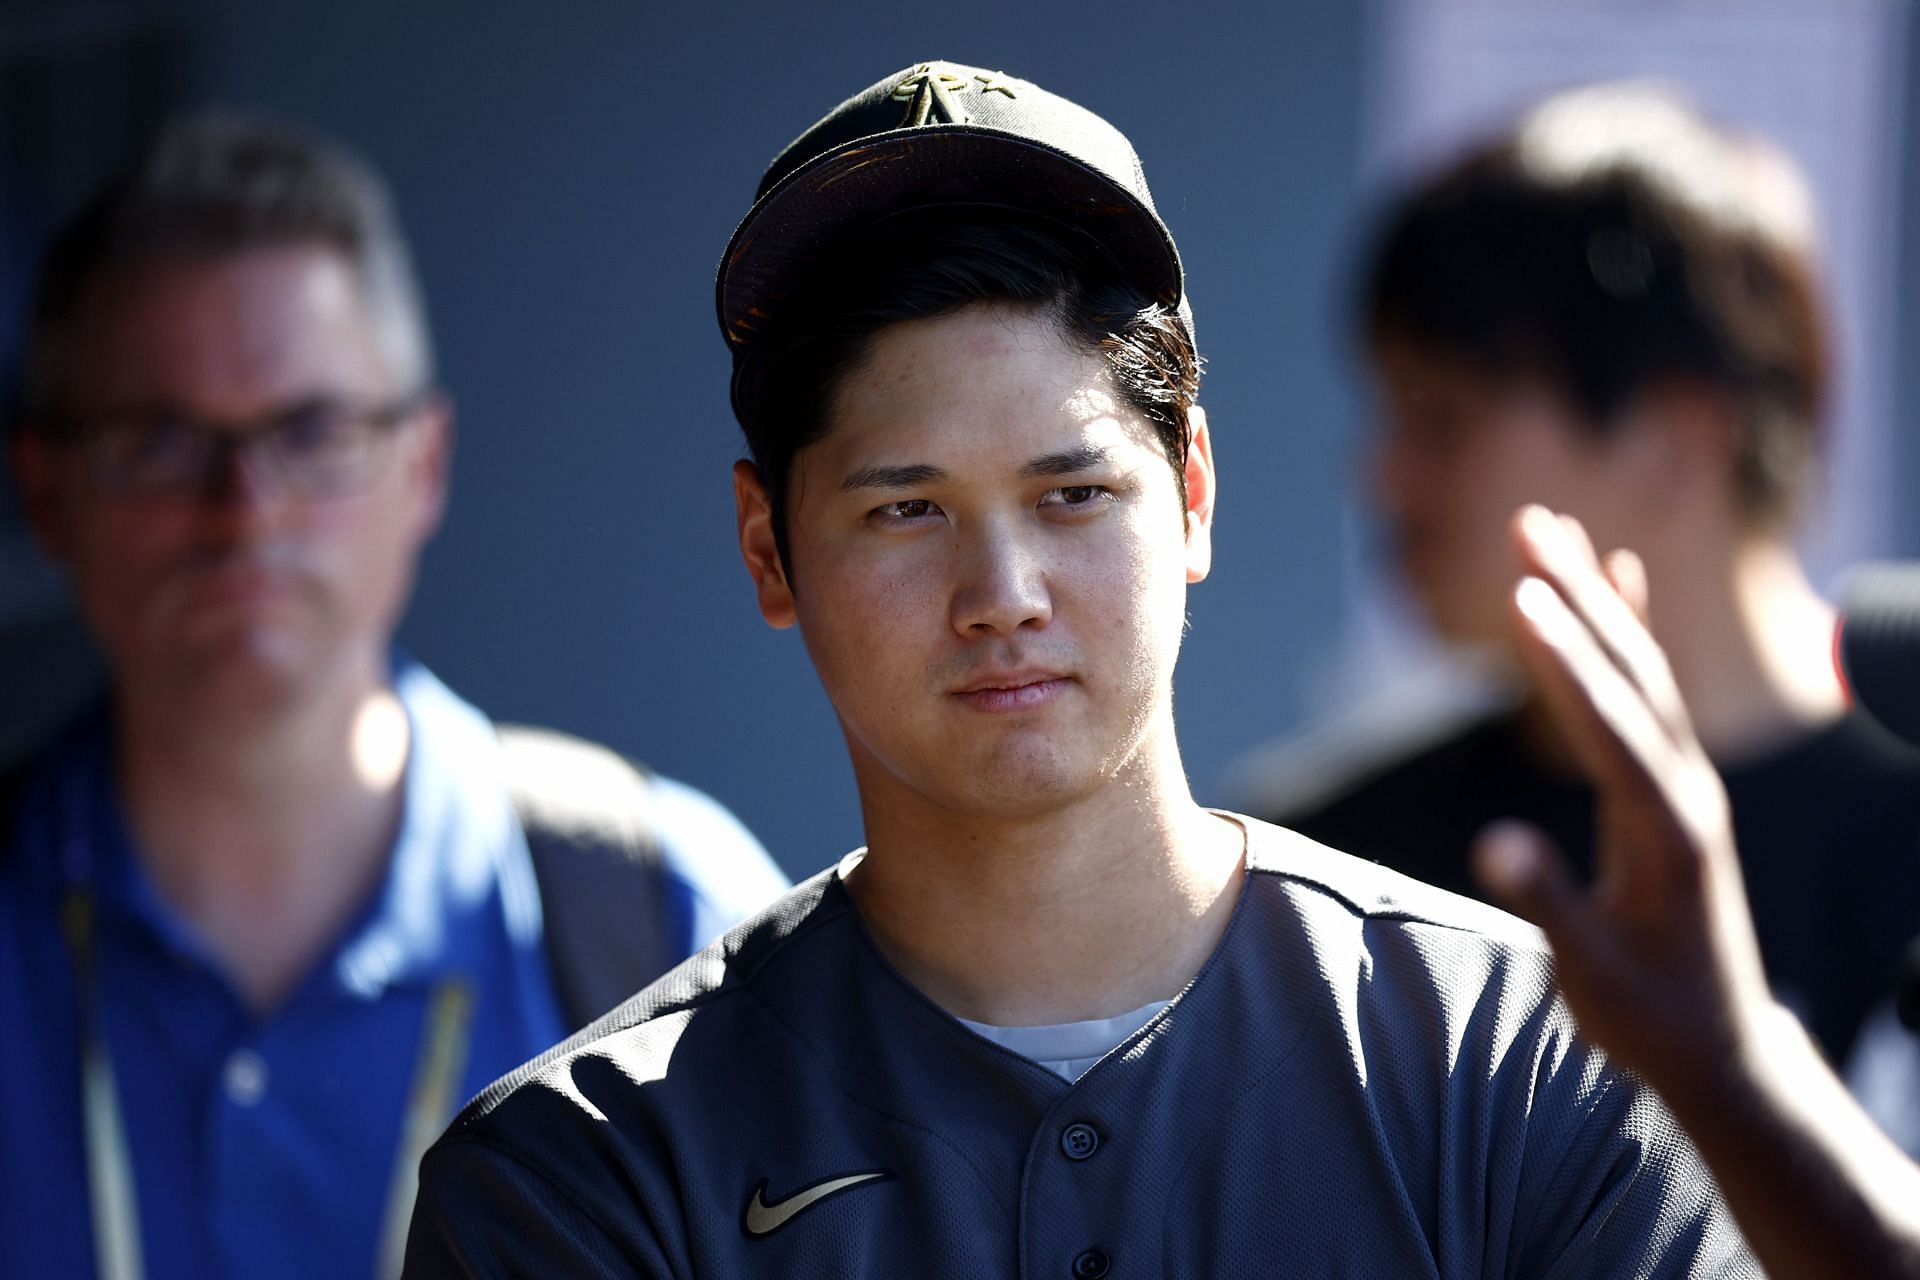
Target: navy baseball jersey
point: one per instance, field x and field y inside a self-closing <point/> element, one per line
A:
<point x="1369" y="1078"/>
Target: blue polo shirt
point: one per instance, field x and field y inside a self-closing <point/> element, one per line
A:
<point x="267" y="1146"/>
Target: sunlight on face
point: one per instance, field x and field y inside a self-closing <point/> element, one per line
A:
<point x="993" y="562"/>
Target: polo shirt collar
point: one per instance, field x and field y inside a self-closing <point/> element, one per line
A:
<point x="458" y="855"/>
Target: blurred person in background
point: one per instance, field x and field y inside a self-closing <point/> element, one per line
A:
<point x="1612" y="310"/>
<point x="283" y="901"/>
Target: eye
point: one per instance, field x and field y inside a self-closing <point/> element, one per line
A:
<point x="145" y="443"/>
<point x="313" y="429"/>
<point x="908" y="509"/>
<point x="154" y="440"/>
<point x="1076" y="496"/>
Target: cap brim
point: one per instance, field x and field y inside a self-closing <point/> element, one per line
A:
<point x="855" y="185"/>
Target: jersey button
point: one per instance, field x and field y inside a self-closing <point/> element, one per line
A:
<point x="1090" y="1265"/>
<point x="244" y="1078"/>
<point x="1079" y="1141"/>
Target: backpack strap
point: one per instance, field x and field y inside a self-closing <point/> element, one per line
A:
<point x="588" y="813"/>
<point x="13" y="784"/>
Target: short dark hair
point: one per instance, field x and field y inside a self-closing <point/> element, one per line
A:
<point x="210" y="185"/>
<point x="933" y="263"/>
<point x="1614" y="241"/>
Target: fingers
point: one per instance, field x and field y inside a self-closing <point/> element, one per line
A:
<point x="1522" y="871"/>
<point x="1607" y="720"/>
<point x="1629" y="577"/>
<point x="1557" y="550"/>
<point x="1604" y="682"/>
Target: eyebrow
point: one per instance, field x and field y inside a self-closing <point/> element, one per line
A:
<point x="892" y="477"/>
<point x="1067" y="462"/>
<point x="1064" y="463"/>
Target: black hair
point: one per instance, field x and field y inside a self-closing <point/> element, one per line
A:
<point x="1605" y="280"/>
<point x="933" y="263"/>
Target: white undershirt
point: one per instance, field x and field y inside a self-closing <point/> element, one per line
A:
<point x="1068" y="1049"/>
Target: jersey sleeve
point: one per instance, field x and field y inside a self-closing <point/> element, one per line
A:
<point x="718" y="873"/>
<point x="1630" y="1196"/>
<point x="483" y="1214"/>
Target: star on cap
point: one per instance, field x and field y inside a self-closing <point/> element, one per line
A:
<point x="930" y="97"/>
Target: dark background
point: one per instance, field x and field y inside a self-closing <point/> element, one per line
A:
<point x="569" y="173"/>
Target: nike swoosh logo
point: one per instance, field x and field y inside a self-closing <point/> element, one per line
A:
<point x="762" y="1217"/>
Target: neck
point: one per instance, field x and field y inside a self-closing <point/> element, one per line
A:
<point x="265" y="825"/>
<point x="1086" y="910"/>
<point x="1750" y="643"/>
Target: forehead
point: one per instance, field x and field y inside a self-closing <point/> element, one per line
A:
<point x="1416" y="369"/>
<point x="225" y="333"/>
<point x="1416" y="376"/>
<point x="989" y="386"/>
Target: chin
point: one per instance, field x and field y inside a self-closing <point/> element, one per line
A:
<point x="246" y="664"/>
<point x="1018" y="795"/>
<point x="1019" y="780"/>
<point x="999" y="785"/>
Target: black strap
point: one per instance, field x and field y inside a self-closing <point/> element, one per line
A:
<point x="13" y="779"/>
<point x="589" y="815"/>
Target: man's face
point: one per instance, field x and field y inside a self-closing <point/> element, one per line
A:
<point x="992" y="562"/>
<point x="1458" y="453"/>
<point x="241" y="584"/>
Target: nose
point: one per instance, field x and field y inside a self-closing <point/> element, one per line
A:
<point x="1002" y="586"/>
<point x="239" y="477"/>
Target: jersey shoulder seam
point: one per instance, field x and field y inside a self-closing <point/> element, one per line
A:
<point x="732" y="982"/>
<point x="623" y="1018"/>
<point x="1395" y="912"/>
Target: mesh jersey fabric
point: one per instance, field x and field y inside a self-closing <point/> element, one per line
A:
<point x="1828" y="826"/>
<point x="1369" y="1077"/>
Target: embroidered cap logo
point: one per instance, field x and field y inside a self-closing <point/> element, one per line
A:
<point x="930" y="94"/>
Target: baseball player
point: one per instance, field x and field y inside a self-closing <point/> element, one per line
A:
<point x="1055" y="1019"/>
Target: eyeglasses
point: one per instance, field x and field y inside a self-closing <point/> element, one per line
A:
<point x="318" y="448"/>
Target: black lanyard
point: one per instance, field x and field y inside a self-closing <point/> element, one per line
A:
<point x="110" y="1184"/>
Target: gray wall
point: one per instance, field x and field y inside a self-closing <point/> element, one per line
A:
<point x="570" y="175"/>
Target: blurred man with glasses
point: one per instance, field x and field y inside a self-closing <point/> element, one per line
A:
<point x="270" y="914"/>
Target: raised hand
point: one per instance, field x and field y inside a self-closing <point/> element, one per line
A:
<point x="1658" y="959"/>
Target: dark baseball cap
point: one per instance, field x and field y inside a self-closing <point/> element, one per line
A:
<point x="940" y="135"/>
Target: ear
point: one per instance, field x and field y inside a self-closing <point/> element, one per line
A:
<point x="36" y="473"/>
<point x="430" y="462"/>
<point x="1202" y="488"/>
<point x="753" y="513"/>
